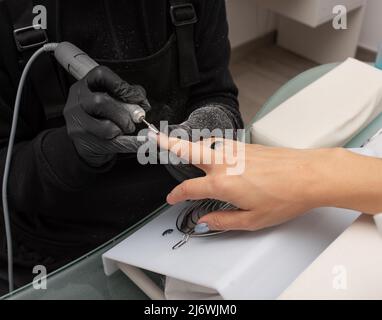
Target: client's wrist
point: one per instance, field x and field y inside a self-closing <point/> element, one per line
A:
<point x="327" y="186"/>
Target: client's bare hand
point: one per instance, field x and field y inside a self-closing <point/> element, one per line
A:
<point x="274" y="185"/>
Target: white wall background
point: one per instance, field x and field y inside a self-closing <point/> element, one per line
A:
<point x="247" y="21"/>
<point x="371" y="35"/>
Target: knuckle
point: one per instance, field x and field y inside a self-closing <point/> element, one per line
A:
<point x="108" y="130"/>
<point x="98" y="99"/>
<point x="106" y="124"/>
<point x="100" y="71"/>
<point x="218" y="183"/>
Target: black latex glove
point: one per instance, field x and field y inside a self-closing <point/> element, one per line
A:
<point x="209" y="117"/>
<point x="96" y="120"/>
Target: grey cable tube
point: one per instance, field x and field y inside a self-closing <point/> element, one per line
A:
<point x="7" y="224"/>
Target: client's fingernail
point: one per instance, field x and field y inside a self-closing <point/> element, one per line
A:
<point x="201" y="228"/>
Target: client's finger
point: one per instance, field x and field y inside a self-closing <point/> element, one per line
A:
<point x="225" y="220"/>
<point x="195" y="153"/>
<point x="194" y="189"/>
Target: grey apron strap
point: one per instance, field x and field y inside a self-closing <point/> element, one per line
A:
<point x="184" y="17"/>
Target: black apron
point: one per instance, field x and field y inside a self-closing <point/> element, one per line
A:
<point x="167" y="76"/>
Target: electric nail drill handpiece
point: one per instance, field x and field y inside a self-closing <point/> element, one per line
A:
<point x="79" y="64"/>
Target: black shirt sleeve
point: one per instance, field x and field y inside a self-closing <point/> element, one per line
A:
<point x="213" y="55"/>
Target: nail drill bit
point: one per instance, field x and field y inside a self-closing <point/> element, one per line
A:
<point x="150" y="126"/>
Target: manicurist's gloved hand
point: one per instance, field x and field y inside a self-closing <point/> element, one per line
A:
<point x="214" y="120"/>
<point x="211" y="117"/>
<point x="97" y="121"/>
